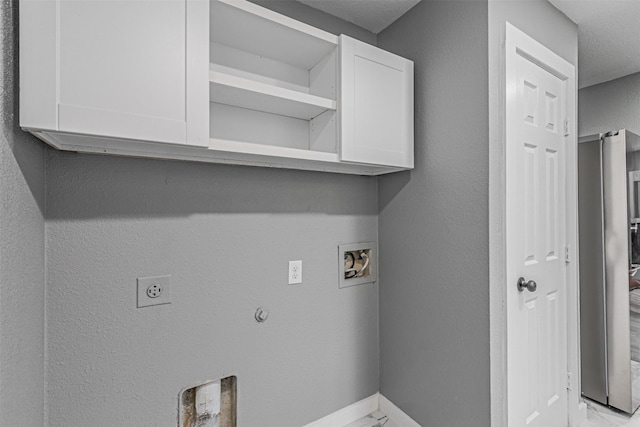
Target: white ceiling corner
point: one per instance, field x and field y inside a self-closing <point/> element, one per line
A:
<point x="373" y="15"/>
<point x="608" y="38"/>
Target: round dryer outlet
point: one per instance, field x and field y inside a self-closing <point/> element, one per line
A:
<point x="154" y="291"/>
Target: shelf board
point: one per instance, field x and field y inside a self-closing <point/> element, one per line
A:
<point x="252" y="28"/>
<point x="240" y="92"/>
<point x="271" y="150"/>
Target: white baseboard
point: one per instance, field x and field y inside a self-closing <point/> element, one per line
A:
<point x="395" y="414"/>
<point x="363" y="408"/>
<point x="581" y="414"/>
<point x="347" y="415"/>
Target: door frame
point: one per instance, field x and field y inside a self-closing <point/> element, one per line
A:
<point x="513" y="39"/>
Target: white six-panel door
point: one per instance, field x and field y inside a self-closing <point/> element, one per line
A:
<point x="537" y="91"/>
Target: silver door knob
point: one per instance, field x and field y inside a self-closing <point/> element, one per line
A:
<point x="531" y="286"/>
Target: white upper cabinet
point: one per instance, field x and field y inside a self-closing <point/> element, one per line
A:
<point x="112" y="68"/>
<point x="376" y="102"/>
<point x="211" y="80"/>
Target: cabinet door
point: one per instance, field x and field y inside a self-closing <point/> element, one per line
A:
<point x="122" y="69"/>
<point x="376" y="105"/>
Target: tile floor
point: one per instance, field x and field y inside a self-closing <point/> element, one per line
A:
<point x="597" y="416"/>
<point x="375" y="419"/>
<point x="601" y="416"/>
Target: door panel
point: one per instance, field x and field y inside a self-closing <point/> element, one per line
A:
<point x="553" y="355"/>
<point x="532" y="322"/>
<point x="530" y="202"/>
<point x="552" y="204"/>
<point x="376" y="102"/>
<point x="122" y="68"/>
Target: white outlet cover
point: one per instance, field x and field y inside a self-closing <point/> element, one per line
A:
<point x="295" y="272"/>
<point x="164" y="282"/>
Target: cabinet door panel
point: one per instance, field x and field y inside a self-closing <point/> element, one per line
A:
<point x="122" y="68"/>
<point x="376" y="106"/>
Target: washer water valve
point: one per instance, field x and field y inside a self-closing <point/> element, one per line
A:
<point x="357" y="264"/>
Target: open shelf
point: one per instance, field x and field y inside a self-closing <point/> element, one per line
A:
<point x="271" y="150"/>
<point x="251" y="28"/>
<point x="254" y="95"/>
<point x="274" y="89"/>
<point x="272" y="85"/>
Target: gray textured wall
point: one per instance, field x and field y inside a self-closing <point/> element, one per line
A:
<point x="22" y="266"/>
<point x="434" y="268"/>
<point x="225" y="234"/>
<point x="543" y="22"/>
<point x="435" y="300"/>
<point x="609" y="106"/>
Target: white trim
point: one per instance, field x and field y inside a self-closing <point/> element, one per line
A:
<point x="197" y="58"/>
<point x="497" y="243"/>
<point x="395" y="414"/>
<point x="361" y="409"/>
<point x="273" y="159"/>
<point x="579" y="414"/>
<point x="349" y="414"/>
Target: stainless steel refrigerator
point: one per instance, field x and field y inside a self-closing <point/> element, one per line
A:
<point x="609" y="214"/>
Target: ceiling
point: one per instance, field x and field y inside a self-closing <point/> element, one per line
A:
<point x="608" y="30"/>
<point x="608" y="38"/>
<point x="374" y="15"/>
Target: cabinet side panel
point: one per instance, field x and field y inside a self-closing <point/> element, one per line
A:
<point x="38" y="98"/>
<point x="346" y="104"/>
<point x="409" y="106"/>
<point x="197" y="72"/>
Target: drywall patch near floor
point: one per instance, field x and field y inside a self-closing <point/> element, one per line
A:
<point x="210" y="404"/>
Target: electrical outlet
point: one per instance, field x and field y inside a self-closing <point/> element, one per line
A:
<point x="295" y="272"/>
<point x="154" y="290"/>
